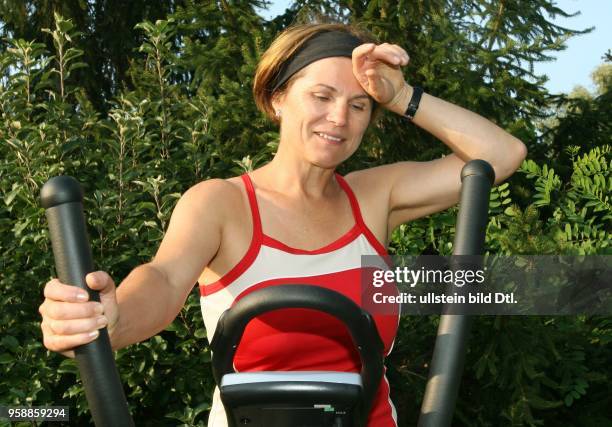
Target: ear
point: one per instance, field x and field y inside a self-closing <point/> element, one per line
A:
<point x="277" y="101"/>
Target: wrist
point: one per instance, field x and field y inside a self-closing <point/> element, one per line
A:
<point x="400" y="103"/>
<point x="114" y="335"/>
<point x="415" y="101"/>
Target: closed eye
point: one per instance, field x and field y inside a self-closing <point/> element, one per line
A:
<point x="323" y="98"/>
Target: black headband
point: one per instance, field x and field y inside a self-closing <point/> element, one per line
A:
<point x="322" y="45"/>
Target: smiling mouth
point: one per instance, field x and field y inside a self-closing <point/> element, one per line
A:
<point x="329" y="137"/>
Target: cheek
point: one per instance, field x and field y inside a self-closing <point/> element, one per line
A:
<point x="361" y="126"/>
<point x="312" y="109"/>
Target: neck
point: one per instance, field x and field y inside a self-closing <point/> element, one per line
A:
<point x="298" y="178"/>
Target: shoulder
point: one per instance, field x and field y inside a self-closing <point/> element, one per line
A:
<point x="372" y="192"/>
<point x="221" y="191"/>
<point x="194" y="234"/>
<point x="377" y="181"/>
<point x="213" y="197"/>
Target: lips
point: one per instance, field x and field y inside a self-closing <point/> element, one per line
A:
<point x="331" y="137"/>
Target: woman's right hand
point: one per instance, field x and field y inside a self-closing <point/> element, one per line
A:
<point x="69" y="319"/>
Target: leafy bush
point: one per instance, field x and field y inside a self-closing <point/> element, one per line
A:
<point x="525" y="370"/>
<point x="160" y="137"/>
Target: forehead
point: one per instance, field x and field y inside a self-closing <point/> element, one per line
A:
<point x="336" y="72"/>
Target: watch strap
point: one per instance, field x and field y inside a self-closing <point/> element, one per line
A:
<point x="413" y="105"/>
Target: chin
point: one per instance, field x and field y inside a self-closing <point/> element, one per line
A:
<point x="327" y="158"/>
<point x="327" y="162"/>
<point x="326" y="165"/>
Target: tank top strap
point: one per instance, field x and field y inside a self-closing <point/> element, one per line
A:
<point x="357" y="215"/>
<point x="352" y="199"/>
<point x="250" y="190"/>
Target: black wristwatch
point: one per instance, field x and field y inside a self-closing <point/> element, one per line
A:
<point x="413" y="105"/>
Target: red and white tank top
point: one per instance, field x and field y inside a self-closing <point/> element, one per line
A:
<point x="300" y="339"/>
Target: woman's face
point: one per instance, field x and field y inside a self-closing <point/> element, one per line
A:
<point x="324" y="112"/>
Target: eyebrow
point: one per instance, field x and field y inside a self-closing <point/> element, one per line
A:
<point x="333" y="89"/>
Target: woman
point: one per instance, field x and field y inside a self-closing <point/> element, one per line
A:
<point x="294" y="218"/>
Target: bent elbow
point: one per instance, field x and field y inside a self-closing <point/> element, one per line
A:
<point x="521" y="152"/>
<point x="512" y="161"/>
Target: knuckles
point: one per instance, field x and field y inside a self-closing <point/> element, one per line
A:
<point x="56" y="331"/>
<point x="51" y="311"/>
<point x="50" y="341"/>
<point x="47" y="342"/>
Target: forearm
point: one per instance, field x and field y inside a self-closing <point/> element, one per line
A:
<point x="147" y="303"/>
<point x="467" y="134"/>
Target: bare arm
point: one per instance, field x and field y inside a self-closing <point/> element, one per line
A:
<point x="421" y="188"/>
<point x="147" y="303"/>
<point x="152" y="295"/>
<point x="416" y="189"/>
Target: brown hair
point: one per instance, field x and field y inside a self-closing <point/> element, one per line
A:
<point x="281" y="49"/>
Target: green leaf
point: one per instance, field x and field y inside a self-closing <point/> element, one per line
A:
<point x="510" y="211"/>
<point x="6" y="358"/>
<point x="68" y="366"/>
<point x="11" y="343"/>
<point x="8" y="200"/>
<point x="539" y="403"/>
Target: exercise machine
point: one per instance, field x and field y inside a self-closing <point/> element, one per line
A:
<point x="301" y="398"/>
<point x="271" y="399"/>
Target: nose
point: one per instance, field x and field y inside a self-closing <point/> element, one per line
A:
<point x="338" y="112"/>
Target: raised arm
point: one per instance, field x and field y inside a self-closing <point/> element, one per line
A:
<point x="421" y="188"/>
<point x="416" y="189"/>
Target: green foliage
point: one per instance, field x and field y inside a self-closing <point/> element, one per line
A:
<point x="570" y="218"/>
<point x="578" y="119"/>
<point x="133" y="165"/>
<point x="183" y="112"/>
<point x="524" y="370"/>
<point x="107" y="36"/>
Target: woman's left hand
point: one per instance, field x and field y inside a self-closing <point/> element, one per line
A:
<point x="377" y="68"/>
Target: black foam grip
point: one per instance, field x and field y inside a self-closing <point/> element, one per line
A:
<point x="477" y="177"/>
<point x="446" y="369"/>
<point x="62" y="198"/>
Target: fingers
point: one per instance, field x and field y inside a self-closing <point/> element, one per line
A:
<point x="360" y="55"/>
<point x="63" y="343"/>
<point x="100" y="281"/>
<point x="69" y="319"/>
<point x="66" y="325"/>
<point x="374" y="82"/>
<point x="59" y="291"/>
<point x="76" y="326"/>
<point x="59" y="310"/>
<point x="389" y="53"/>
<point x="97" y="280"/>
<point x="104" y="284"/>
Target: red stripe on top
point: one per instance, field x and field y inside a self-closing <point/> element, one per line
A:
<point x="343" y="240"/>
<point x="250" y="190"/>
<point x="251" y="253"/>
<point x="260" y="238"/>
<point x="359" y="219"/>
